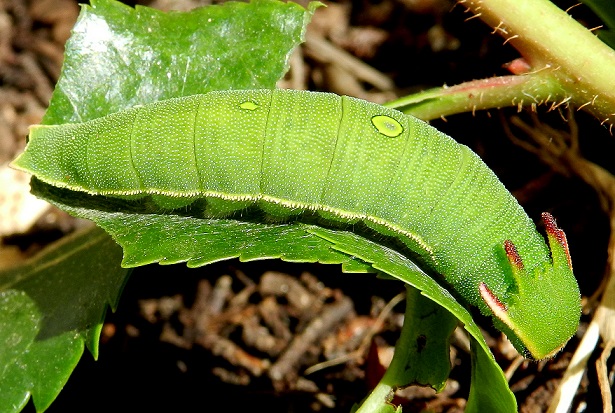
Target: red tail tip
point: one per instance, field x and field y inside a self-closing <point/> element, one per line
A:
<point x="491" y="300"/>
<point x="513" y="255"/>
<point x="554" y="231"/>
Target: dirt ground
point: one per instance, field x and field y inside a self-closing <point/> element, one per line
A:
<point x="272" y="325"/>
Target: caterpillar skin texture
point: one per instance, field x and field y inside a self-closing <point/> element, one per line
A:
<point x="346" y="160"/>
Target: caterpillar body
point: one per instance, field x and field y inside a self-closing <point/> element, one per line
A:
<point x="345" y="160"/>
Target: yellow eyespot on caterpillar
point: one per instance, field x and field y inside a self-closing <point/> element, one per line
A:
<point x="248" y="105"/>
<point x="289" y="152"/>
<point x="388" y="126"/>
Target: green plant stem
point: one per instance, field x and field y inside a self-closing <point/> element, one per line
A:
<point x="378" y="400"/>
<point x="496" y="92"/>
<point x="552" y="41"/>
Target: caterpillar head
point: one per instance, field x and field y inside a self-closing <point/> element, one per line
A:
<point x="544" y="312"/>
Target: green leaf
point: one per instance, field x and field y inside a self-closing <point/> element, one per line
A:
<point x="489" y="386"/>
<point x="119" y="57"/>
<point x="489" y="390"/>
<point x="50" y="306"/>
<point x="428" y="353"/>
<point x="422" y="353"/>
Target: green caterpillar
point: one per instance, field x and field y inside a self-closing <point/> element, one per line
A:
<point x="290" y="153"/>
